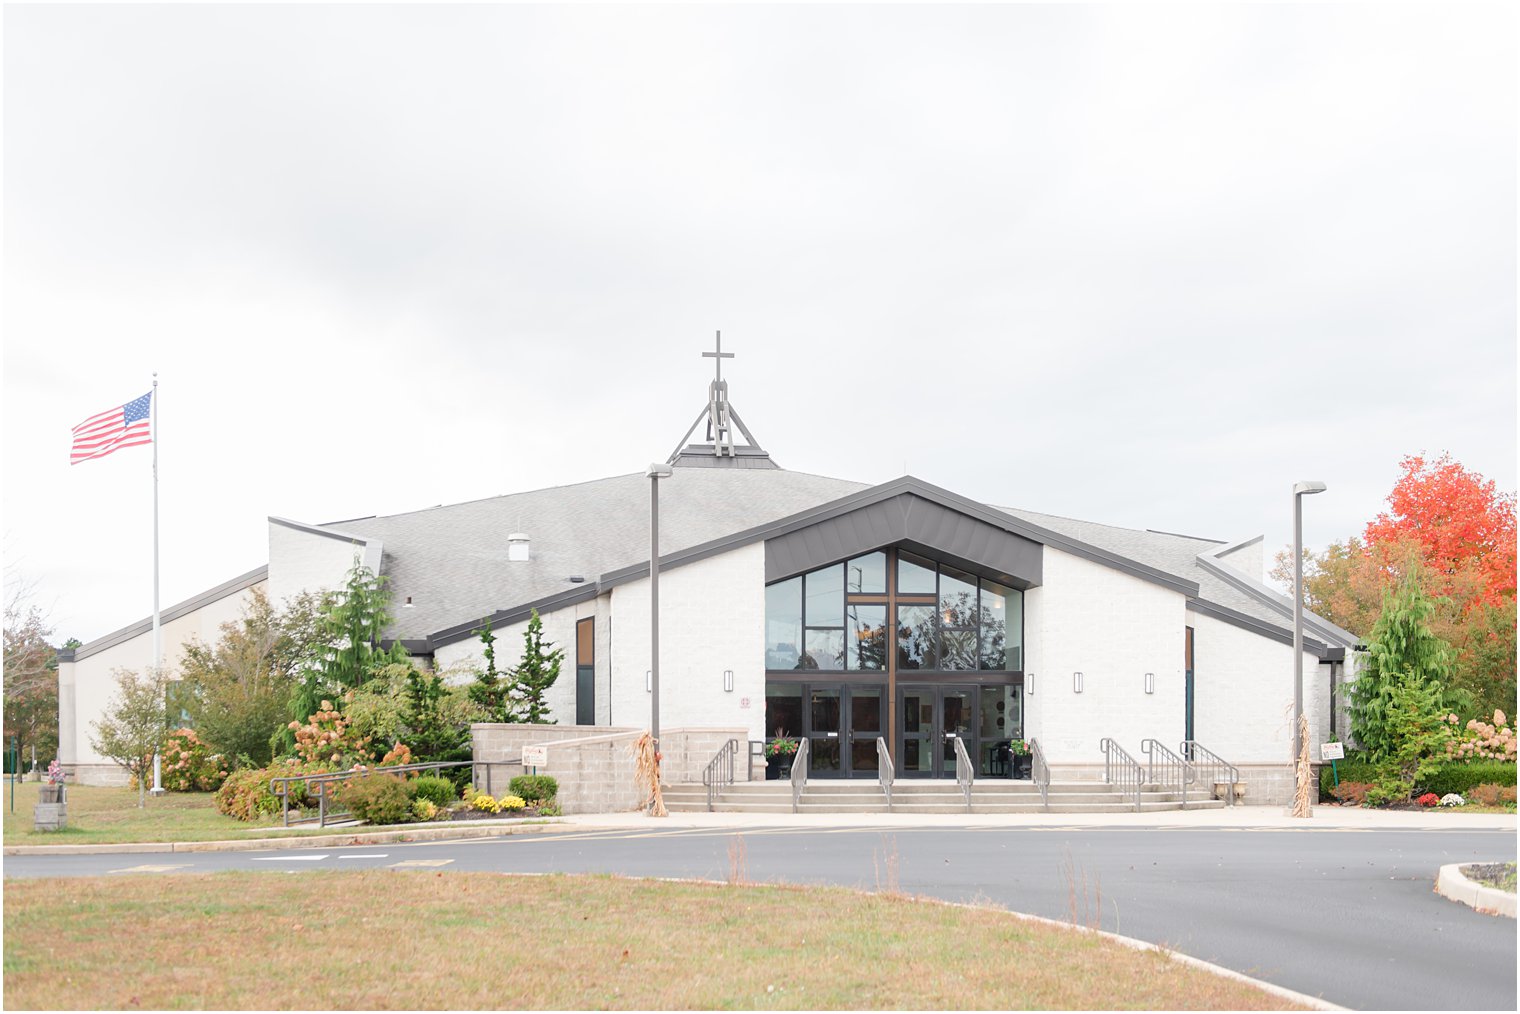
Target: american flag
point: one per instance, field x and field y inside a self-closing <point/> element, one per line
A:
<point x="124" y="426"/>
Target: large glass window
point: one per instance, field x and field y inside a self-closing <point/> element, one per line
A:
<point x="916" y="638"/>
<point x="783" y="709"/>
<point x="1002" y="627"/>
<point x="824" y="620"/>
<point x="915" y="575"/>
<point x="867" y="574"/>
<point x="783" y="624"/>
<point x="866" y="637"/>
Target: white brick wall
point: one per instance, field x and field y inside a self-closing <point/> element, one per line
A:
<point x="87" y="686"/>
<point x="712" y="616"/>
<point x="1243" y="694"/>
<point x="304" y="561"/>
<point x="461" y="657"/>
<point x="1112" y="628"/>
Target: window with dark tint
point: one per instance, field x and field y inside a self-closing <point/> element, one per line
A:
<point x="916" y="638"/>
<point x="783" y="625"/>
<point x="915" y="575"/>
<point x="783" y="709"/>
<point x="866" y="637"/>
<point x="867" y="574"/>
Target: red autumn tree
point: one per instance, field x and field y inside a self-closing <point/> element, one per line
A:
<point x="1464" y="528"/>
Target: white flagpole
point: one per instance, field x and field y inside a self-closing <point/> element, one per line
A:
<point x="158" y="643"/>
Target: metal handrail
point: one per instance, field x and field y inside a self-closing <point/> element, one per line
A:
<point x="1162" y="767"/>
<point x="756" y="749"/>
<point x="799" y="772"/>
<point x="886" y="772"/>
<point x="720" y="771"/>
<point x="964" y="773"/>
<point x="321" y="784"/>
<point x="1039" y="772"/>
<point x="1211" y="765"/>
<point x="1122" y="770"/>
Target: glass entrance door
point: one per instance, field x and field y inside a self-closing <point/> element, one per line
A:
<point x="930" y="719"/>
<point x="842" y="724"/>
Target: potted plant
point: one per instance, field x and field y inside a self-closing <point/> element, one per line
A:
<point x="779" y="752"/>
<point x="1023" y="758"/>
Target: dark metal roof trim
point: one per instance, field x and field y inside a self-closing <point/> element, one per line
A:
<point x="314" y="530"/>
<point x="1255" y="626"/>
<point x="504" y="617"/>
<point x="174" y="612"/>
<point x="1281" y="604"/>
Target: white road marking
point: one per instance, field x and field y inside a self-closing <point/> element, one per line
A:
<point x="410" y="863"/>
<point x="289" y="859"/>
<point x="367" y="855"/>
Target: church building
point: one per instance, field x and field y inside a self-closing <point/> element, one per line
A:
<point x="818" y="608"/>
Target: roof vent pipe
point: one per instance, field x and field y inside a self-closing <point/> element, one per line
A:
<point x="517" y="546"/>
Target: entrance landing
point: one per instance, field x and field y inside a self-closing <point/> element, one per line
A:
<point x="931" y="796"/>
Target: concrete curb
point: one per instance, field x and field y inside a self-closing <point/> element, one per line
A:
<point x="472" y="829"/>
<point x="1452" y="884"/>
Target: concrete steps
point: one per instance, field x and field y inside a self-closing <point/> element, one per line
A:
<point x="989" y="797"/>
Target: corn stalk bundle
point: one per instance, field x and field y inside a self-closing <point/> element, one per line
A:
<point x="1302" y="774"/>
<point x="647" y="774"/>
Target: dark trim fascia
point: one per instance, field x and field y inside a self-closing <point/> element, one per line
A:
<point x="1281" y="604"/>
<point x="505" y="617"/>
<point x="314" y="530"/>
<point x="1255" y="626"/>
<point x="67" y="654"/>
<point x="174" y="612"/>
<point x="414" y="646"/>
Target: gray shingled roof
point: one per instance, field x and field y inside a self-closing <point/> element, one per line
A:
<point x="452" y="560"/>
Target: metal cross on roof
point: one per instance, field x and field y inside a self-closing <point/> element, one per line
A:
<point x="719" y="355"/>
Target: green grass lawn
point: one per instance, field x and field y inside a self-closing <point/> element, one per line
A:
<point x="99" y="815"/>
<point x="426" y="940"/>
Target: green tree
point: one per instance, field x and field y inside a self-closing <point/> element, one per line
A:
<point x="132" y="729"/>
<point x="238" y="690"/>
<point x="1401" y="648"/>
<point x="488" y="690"/>
<point x="535" y="674"/>
<point x="346" y="649"/>
<point x="1416" y="718"/>
<point x="430" y="733"/>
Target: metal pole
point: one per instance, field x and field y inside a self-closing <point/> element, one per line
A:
<point x="158" y="638"/>
<point x="654" y="607"/>
<point x="1298" y="626"/>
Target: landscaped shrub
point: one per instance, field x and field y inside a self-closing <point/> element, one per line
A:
<point x="1480" y="740"/>
<point x="438" y="791"/>
<point x="534" y="788"/>
<point x="1351" y="793"/>
<point x="1355" y="768"/>
<point x="424" y="809"/>
<point x="245" y="794"/>
<point x="1429" y="799"/>
<point x="1490" y="794"/>
<point x="510" y="803"/>
<point x="188" y="765"/>
<point x="377" y="799"/>
<point x="1461" y="777"/>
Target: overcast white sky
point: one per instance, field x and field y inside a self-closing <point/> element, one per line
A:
<point x="1142" y="265"/>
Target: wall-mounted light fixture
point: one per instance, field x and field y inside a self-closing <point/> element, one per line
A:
<point x="1029" y="684"/>
<point x="1076" y="683"/>
<point x="1150" y="682"/>
<point x="728" y="681"/>
<point x="648" y="681"/>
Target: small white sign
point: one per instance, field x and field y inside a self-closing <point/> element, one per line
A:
<point x="1332" y="751"/>
<point x="535" y="756"/>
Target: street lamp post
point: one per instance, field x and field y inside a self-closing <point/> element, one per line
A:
<point x="656" y="472"/>
<point x="1300" y="490"/>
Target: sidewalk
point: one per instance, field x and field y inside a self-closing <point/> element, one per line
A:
<point x="1326" y="818"/>
<point x="1267" y="818"/>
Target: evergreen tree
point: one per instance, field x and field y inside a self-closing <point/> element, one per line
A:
<point x="489" y="691"/>
<point x="535" y="674"/>
<point x="348" y="645"/>
<point x="1401" y="649"/>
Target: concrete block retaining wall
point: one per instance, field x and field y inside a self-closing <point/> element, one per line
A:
<point x="595" y="766"/>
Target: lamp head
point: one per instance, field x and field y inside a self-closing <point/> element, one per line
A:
<point x="658" y="470"/>
<point x="1308" y="486"/>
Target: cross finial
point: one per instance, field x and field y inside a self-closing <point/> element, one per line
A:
<point x="719" y="355"/>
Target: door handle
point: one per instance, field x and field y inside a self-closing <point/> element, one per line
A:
<point x="834" y="735"/>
